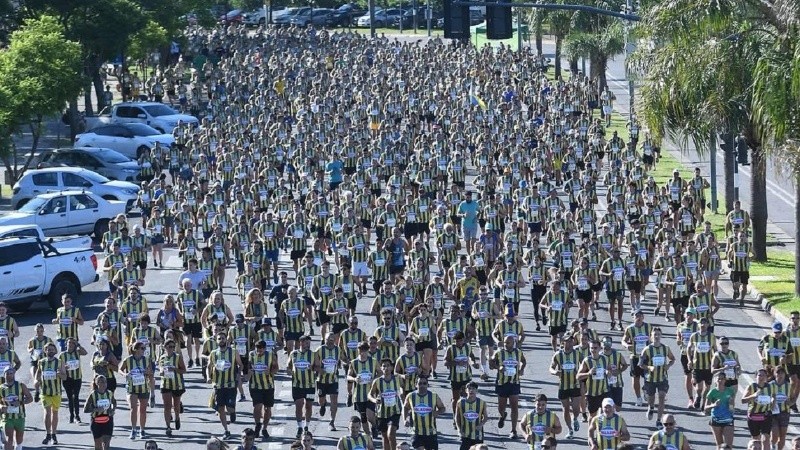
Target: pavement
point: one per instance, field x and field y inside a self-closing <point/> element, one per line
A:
<point x="744" y="326"/>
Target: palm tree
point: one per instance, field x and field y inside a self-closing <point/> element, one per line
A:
<point x="595" y="37"/>
<point x="699" y="69"/>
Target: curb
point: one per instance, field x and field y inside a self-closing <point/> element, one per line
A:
<point x="767" y="307"/>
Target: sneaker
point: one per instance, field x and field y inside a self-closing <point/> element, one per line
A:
<point x="133" y="435"/>
<point x="658" y="310"/>
<point x="485" y="376"/>
<point x="690" y="405"/>
<point x="300" y="433"/>
<point x="585" y="417"/>
<point x="242" y="398"/>
<point x="233" y="417"/>
<point x="502" y="422"/>
<point x="576" y="425"/>
<point x="36" y="399"/>
<point x="666" y="318"/>
<point x="78" y="419"/>
<point x="512" y="435"/>
<point x="649" y="413"/>
<point x="153" y="401"/>
<point x="613" y="324"/>
<point x="190" y="364"/>
<point x="794" y="408"/>
<point x="169" y="432"/>
<point x="71" y="419"/>
<point x="177" y="423"/>
<point x="697" y="402"/>
<point x="55" y="439"/>
<point x="265" y="434"/>
<point x="538" y="328"/>
<point x="594" y="317"/>
<point x="544" y="320"/>
<point x="638" y="401"/>
<point x="46" y="440"/>
<point x="569" y="435"/>
<point x="375" y="434"/>
<point x="659" y="425"/>
<point x="226" y="435"/>
<point x="331" y="426"/>
<point x="322" y="410"/>
<point x="197" y="362"/>
<point x="142" y="434"/>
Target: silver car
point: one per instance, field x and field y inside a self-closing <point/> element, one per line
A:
<point x="54" y="179"/>
<point x="109" y="163"/>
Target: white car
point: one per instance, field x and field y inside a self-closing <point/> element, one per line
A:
<point x="130" y="139"/>
<point x="258" y="16"/>
<point x="32" y="269"/>
<point x="53" y="179"/>
<point x="157" y="115"/>
<point x="67" y="212"/>
<point x="34" y="231"/>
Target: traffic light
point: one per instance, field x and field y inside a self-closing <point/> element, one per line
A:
<point x="456" y="21"/>
<point x="498" y="21"/>
<point x="741" y="151"/>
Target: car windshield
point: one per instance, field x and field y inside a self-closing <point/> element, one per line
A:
<point x="33" y="205"/>
<point x="159" y="110"/>
<point x="111" y="156"/>
<point x="140" y="129"/>
<point x="94" y="176"/>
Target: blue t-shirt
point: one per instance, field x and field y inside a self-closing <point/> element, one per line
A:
<point x="334" y="168"/>
<point x="470" y="212"/>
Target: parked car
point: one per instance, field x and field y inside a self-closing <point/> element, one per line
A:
<point x="345" y="15"/>
<point x="157" y="115"/>
<point x="316" y="17"/>
<point x="40" y="181"/>
<point x="67" y="212"/>
<point x="109" y="163"/>
<point x="234" y="16"/>
<point x="408" y="18"/>
<point x="285" y="19"/>
<point x="130" y="139"/>
<point x="35" y="231"/>
<point x="32" y="269"/>
<point x="259" y="16"/>
<point x="383" y="17"/>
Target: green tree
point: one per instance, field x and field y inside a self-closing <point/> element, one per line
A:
<point x="596" y="37"/>
<point x="40" y="72"/>
<point x="699" y="70"/>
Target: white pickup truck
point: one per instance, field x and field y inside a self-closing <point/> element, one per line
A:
<point x="31" y="269"/>
<point x="35" y="231"/>
<point x="157" y="115"/>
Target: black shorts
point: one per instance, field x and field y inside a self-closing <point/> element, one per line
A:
<point x="740" y="276"/>
<point x="685" y="364"/>
<point x="759" y="427"/>
<point x="395" y="270"/>
<point x="352" y="302"/>
<point x="597" y="287"/>
<point x="362" y="407"/>
<point x="682" y="302"/>
<point x="703" y="375"/>
<point x="328" y="389"/>
<point x="793" y="369"/>
<point x="338" y="327"/>
<point x="507" y="390"/>
<point x="714" y="423"/>
<point x="594" y="402"/>
<point x="141" y="264"/>
<point x="102" y="429"/>
<point x="174" y="392"/>
<point x="302" y="393"/>
<point x="383" y="424"/>
<point x="634" y="286"/>
<point x="297" y="255"/>
<point x="458" y="385"/>
<point x="566" y="394"/>
<point x="585" y="296"/>
<point x="616" y="394"/>
<point x="636" y="370"/>
<point x="194" y="330"/>
<point x="535" y="227"/>
<point x="323" y="317"/>
<point x="264" y="397"/>
<point x="558" y="330"/>
<point x="615" y="295"/>
<point x="426" y="442"/>
<point x="225" y="397"/>
<point x="420" y="346"/>
<point x="293" y="335"/>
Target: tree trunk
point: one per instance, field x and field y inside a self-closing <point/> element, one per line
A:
<point x="594" y="73"/>
<point x="557" y="57"/>
<point x="539" y="33"/>
<point x="758" y="203"/>
<point x="99" y="90"/>
<point x="74" y="120"/>
<point x="599" y="65"/>
<point x="729" y="164"/>
<point x="797" y="233"/>
<point x="87" y="98"/>
<point x="573" y="64"/>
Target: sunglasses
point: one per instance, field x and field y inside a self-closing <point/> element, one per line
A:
<point x="669" y="424"/>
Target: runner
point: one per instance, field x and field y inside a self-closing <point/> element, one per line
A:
<point x="224" y="367"/>
<point x="655" y="360"/>
<point x="302" y="366"/>
<point x="172" y="369"/>
<point x="138" y="371"/>
<point x="540" y="423"/>
<point x="420" y="410"/>
<point x="101" y="405"/>
<point x="384" y="394"/>
<point x="510" y="363"/>
<point x="356" y="439"/>
<point x="261" y="382"/>
<point x="50" y="373"/>
<point x="670" y="437"/>
<point x="470" y="417"/>
<point x="607" y="429"/>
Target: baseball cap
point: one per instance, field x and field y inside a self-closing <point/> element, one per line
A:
<point x="266" y="321"/>
<point x="510" y="311"/>
<point x="240" y="317"/>
<point x="691" y="311"/>
<point x="777" y="326"/>
<point x="608" y="402"/>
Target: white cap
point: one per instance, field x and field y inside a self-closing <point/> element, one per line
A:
<point x="608" y="402"/>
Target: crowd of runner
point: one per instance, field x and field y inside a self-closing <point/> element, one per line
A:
<point x="432" y="189"/>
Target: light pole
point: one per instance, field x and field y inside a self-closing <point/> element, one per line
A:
<point x="630" y="46"/>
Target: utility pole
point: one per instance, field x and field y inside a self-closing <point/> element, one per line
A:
<point x="519" y="29"/>
<point x="372" y="19"/>
<point x="629" y="48"/>
<point x="429" y="16"/>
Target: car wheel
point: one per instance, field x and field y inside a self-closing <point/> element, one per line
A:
<point x="141" y="150"/>
<point x="22" y="203"/>
<point x="62" y="284"/>
<point x="21" y="306"/>
<point x="100" y="229"/>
